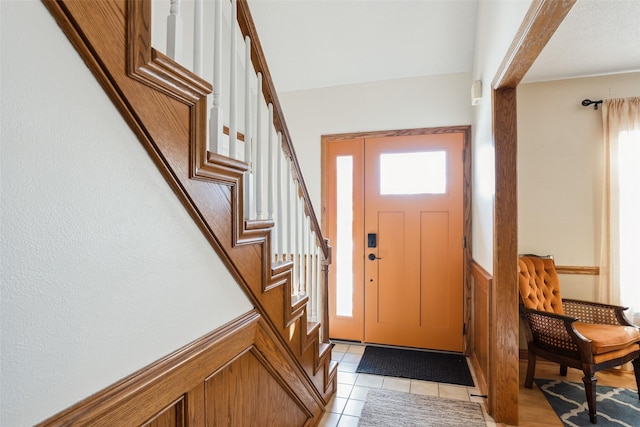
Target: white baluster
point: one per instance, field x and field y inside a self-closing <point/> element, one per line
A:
<point x="174" y="32"/>
<point x="289" y="197"/>
<point x="247" y="99"/>
<point x="303" y="250"/>
<point x="216" y="116"/>
<point x="270" y="171"/>
<point x="248" y="190"/>
<point x="304" y="242"/>
<point x="322" y="309"/>
<point x="313" y="298"/>
<point x="233" y="127"/>
<point x="257" y="169"/>
<point x="198" y="35"/>
<point x="271" y="185"/>
<point x="316" y="282"/>
<point x="314" y="278"/>
<point x="309" y="260"/>
<point x="279" y="195"/>
<point x="296" y="237"/>
<point x="310" y="288"/>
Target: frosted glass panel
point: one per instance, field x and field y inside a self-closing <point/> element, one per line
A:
<point x="344" y="245"/>
<point x="422" y="172"/>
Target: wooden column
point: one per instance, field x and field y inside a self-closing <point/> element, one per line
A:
<point x="539" y="24"/>
<point x="503" y="315"/>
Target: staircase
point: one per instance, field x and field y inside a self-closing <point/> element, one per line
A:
<point x="276" y="254"/>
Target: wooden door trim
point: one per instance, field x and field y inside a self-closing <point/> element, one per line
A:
<point x="467" y="214"/>
<point x="539" y="24"/>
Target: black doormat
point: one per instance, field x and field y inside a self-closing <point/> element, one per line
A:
<point x="416" y="364"/>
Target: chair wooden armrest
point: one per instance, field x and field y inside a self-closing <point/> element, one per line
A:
<point x="595" y="312"/>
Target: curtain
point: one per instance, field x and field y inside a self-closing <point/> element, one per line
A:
<point x="620" y="240"/>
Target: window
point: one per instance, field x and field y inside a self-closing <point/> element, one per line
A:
<point x="344" y="236"/>
<point x="628" y="214"/>
<point x="621" y="208"/>
<point x="423" y="172"/>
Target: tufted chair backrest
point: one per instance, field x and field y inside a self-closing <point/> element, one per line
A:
<point x="539" y="284"/>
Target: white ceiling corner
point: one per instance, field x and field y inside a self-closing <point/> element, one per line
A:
<point x="321" y="43"/>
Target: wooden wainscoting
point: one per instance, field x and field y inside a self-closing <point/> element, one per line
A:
<point x="237" y="375"/>
<point x="479" y="330"/>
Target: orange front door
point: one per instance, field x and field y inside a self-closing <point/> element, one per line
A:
<point x="414" y="206"/>
<point x="399" y="280"/>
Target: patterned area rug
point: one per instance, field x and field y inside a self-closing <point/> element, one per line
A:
<point x="614" y="406"/>
<point x="381" y="409"/>
<point x="416" y="364"/>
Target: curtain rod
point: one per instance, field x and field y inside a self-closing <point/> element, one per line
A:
<point x="587" y="102"/>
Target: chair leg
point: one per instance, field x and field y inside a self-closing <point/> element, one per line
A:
<point x="589" y="381"/>
<point x="563" y="370"/>
<point x="531" y="370"/>
<point x="636" y="370"/>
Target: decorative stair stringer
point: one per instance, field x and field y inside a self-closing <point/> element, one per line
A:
<point x="277" y="275"/>
<point x="165" y="106"/>
<point x="275" y="290"/>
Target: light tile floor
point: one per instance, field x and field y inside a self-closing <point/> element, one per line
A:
<point x="346" y="406"/>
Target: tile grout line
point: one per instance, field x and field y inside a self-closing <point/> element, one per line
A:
<point x="354" y="359"/>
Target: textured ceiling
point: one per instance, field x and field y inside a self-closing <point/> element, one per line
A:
<point x="597" y="37"/>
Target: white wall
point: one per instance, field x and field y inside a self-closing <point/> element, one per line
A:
<point x="103" y="271"/>
<point x="560" y="159"/>
<point x="498" y="22"/>
<point x="429" y="101"/>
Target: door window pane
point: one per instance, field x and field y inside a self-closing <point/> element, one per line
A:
<point x="423" y="172"/>
<point x="344" y="236"/>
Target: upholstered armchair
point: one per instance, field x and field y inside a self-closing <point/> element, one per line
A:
<point x="583" y="335"/>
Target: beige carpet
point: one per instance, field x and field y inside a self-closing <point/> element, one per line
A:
<point x="384" y="408"/>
